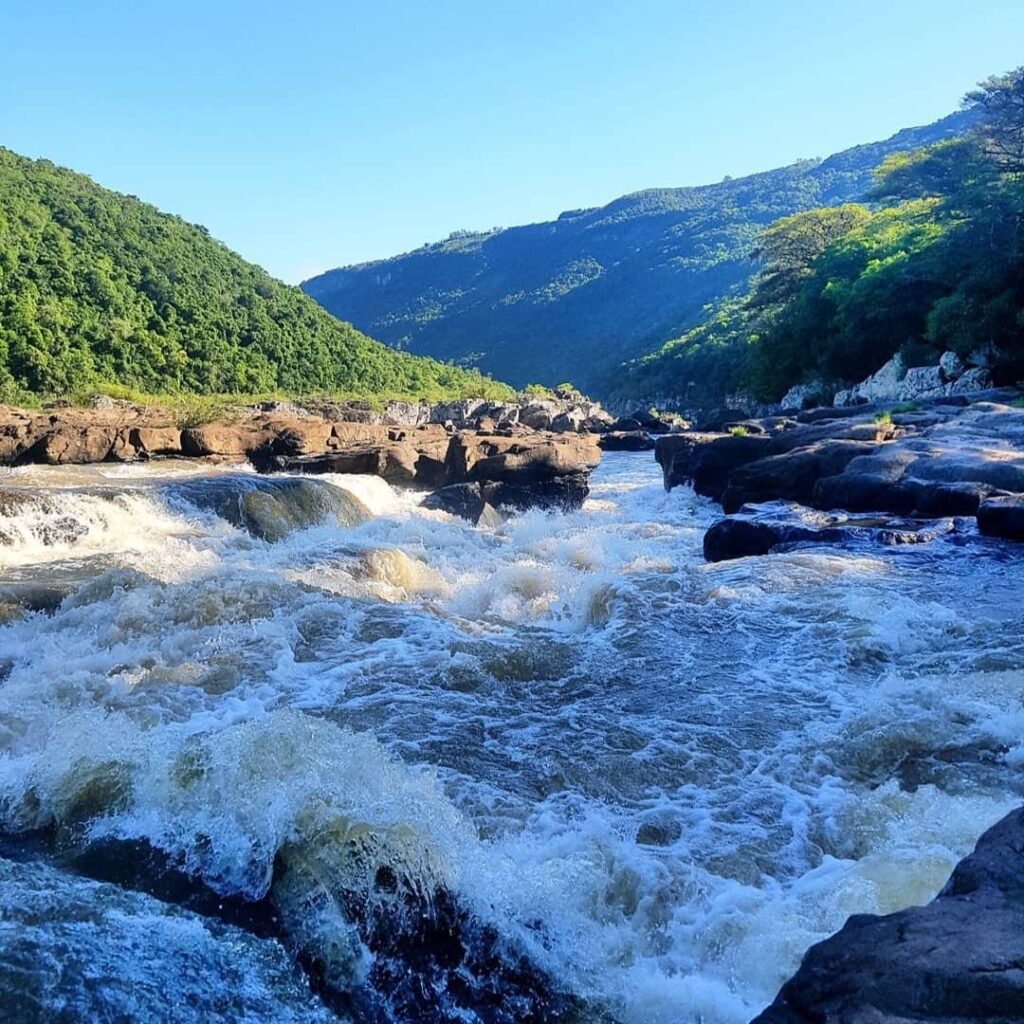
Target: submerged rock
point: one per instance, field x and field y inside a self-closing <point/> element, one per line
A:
<point x="271" y="507"/>
<point x="958" y="959"/>
<point x="76" y="950"/>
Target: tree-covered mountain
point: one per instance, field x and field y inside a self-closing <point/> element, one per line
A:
<point x="573" y="298"/>
<point x="934" y="264"/>
<point x="99" y="288"/>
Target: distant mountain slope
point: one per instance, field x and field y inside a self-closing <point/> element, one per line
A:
<point x="100" y="288"/>
<point x="571" y="299"/>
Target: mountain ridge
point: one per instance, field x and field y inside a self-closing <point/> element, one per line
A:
<point x="574" y="297"/>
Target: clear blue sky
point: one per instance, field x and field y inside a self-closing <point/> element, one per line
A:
<point x="312" y="135"/>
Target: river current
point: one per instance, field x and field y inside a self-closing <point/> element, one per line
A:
<point x="389" y="766"/>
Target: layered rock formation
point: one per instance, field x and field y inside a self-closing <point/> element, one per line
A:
<point x="945" y="459"/>
<point x="517" y="464"/>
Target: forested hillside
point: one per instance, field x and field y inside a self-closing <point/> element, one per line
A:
<point x="573" y="298"/>
<point x="100" y="288"/>
<point x="936" y="263"/>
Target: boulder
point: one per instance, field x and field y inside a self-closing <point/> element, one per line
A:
<point x="800" y="396"/>
<point x="958" y="959"/>
<point x="706" y="460"/>
<point x="881" y="386"/>
<point x="977" y="378"/>
<point x="465" y="501"/>
<point x="921" y="382"/>
<point x="951" y="365"/>
<point x="626" y="441"/>
<point x="218" y="439"/>
<point x="1002" y="517"/>
<point x="73" y="444"/>
<point x="774" y="526"/>
<point x="149" y="441"/>
<point x="792" y="475"/>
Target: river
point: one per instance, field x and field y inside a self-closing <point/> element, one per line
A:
<point x="561" y="770"/>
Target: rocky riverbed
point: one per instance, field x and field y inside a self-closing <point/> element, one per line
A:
<point x="863" y="479"/>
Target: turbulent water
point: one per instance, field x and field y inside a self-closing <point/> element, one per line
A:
<point x="269" y="752"/>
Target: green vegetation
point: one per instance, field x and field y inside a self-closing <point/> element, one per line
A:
<point x="98" y="288"/>
<point x="935" y="262"/>
<point x="883" y="417"/>
<point x="577" y="296"/>
<point x="738" y="431"/>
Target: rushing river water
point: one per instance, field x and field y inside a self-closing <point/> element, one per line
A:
<point x="564" y="770"/>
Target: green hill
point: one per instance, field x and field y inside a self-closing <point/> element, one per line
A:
<point x="934" y="264"/>
<point x="99" y="288"/>
<point x="573" y="298"/>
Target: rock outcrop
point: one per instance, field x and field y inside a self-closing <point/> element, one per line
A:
<point x="950" y="458"/>
<point x="776" y="526"/>
<point x="960" y="959"/>
<point x="516" y="465"/>
<point x="895" y="382"/>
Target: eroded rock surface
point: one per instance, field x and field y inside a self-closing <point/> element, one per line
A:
<point x="944" y="459"/>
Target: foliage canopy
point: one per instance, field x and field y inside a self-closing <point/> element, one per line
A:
<point x="100" y="288"/>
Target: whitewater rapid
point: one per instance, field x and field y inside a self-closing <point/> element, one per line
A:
<point x="637" y="780"/>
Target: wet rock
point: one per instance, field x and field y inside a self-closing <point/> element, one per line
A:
<point x="706" y="460"/>
<point x="792" y="475"/>
<point x="1002" y="517"/>
<point x="958" y="959"/>
<point x="776" y="526"/>
<point x="465" y="501"/>
<point x="626" y="441"/>
<point x="77" y="950"/>
<point x="270" y="508"/>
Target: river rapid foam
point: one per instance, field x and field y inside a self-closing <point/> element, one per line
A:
<point x="393" y="767"/>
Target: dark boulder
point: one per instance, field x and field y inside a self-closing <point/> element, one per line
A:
<point x="465" y="501"/>
<point x="626" y="425"/>
<point x="959" y="959"/>
<point x="706" y="460"/>
<point x="775" y="526"/>
<point x="790" y="476"/>
<point x="626" y="441"/>
<point x="1002" y="517"/>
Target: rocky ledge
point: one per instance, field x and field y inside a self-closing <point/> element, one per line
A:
<point x="514" y="464"/>
<point x="950" y="458"/>
<point x="959" y="959"/>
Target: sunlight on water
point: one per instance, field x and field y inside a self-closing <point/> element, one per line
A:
<point x="657" y="780"/>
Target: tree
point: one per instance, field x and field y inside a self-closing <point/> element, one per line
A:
<point x="790" y="246"/>
<point x="1000" y="102"/>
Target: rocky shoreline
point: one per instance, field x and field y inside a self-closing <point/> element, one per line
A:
<point x="534" y="453"/>
<point x="939" y="462"/>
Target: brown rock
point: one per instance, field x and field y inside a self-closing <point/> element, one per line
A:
<point x="156" y="440"/>
<point x="218" y="439"/>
